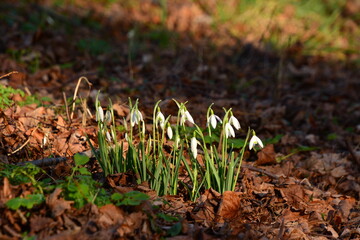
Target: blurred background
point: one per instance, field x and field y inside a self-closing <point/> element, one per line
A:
<point x="280" y="64"/>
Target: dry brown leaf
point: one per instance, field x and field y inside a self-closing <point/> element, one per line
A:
<point x="56" y="204"/>
<point x="131" y="223"/>
<point x="38" y="223"/>
<point x="266" y="156"/>
<point x="121" y="110"/>
<point x="294" y="195"/>
<point x="339" y="172"/>
<point x="110" y="215"/>
<point x="229" y="206"/>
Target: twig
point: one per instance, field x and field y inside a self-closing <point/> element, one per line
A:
<point x="8" y="74"/>
<point x="26" y="142"/>
<point x="75" y="93"/>
<point x="66" y="106"/>
<point x="54" y="161"/>
<point x="255" y="169"/>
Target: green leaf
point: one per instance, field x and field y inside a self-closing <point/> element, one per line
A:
<point x="80" y="159"/>
<point x="236" y="143"/>
<point x="274" y="140"/>
<point x="84" y="171"/>
<point x="167" y="218"/>
<point x="117" y="197"/>
<point x="132" y="198"/>
<point x="213" y="138"/>
<point x="29" y="201"/>
<point x="175" y="229"/>
<point x="14" y="203"/>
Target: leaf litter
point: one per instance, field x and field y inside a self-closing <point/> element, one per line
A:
<point x="309" y="194"/>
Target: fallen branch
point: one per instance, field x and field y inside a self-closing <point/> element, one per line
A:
<point x="259" y="170"/>
<point x="54" y="161"/>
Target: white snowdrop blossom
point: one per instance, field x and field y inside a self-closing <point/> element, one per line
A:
<point x="233" y="120"/>
<point x="213" y="119"/>
<point x="194" y="146"/>
<point x="185" y="115"/>
<point x="229" y="131"/>
<point x="255" y="140"/>
<point x="169" y="132"/>
<point x="160" y="119"/>
<point x="100" y="114"/>
<point x="108" y="137"/>
<point x="108" y="117"/>
<point x="136" y="117"/>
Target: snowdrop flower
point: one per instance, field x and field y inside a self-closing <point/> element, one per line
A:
<point x="194" y="146"/>
<point x="136" y="117"/>
<point x="213" y="119"/>
<point x="255" y="140"/>
<point x="108" y="137"/>
<point x="100" y="114"/>
<point x="169" y="132"/>
<point x="160" y="119"/>
<point x="229" y="131"/>
<point x="233" y="120"/>
<point x="108" y="117"/>
<point x="185" y="115"/>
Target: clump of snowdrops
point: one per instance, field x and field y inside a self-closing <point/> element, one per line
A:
<point x="207" y="155"/>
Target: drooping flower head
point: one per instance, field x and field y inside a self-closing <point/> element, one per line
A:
<point x="169" y="132"/>
<point x="255" y="141"/>
<point x="160" y="120"/>
<point x="194" y="146"/>
<point x="136" y="117"/>
<point x="233" y="121"/>
<point x="108" y="117"/>
<point x="185" y="115"/>
<point x="229" y="131"/>
<point x="212" y="120"/>
<point x="99" y="114"/>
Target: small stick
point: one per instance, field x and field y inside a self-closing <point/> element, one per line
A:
<point x="8" y="74"/>
<point x="255" y="169"/>
<point x="22" y="146"/>
<point x="66" y="106"/>
<point x="75" y="94"/>
<point x="54" y="161"/>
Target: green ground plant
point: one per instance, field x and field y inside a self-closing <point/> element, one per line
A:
<point x="7" y="93"/>
<point x="79" y="187"/>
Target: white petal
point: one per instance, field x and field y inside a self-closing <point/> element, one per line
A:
<point x="136" y="117"/>
<point x="189" y="117"/>
<point x="255" y="140"/>
<point x="217" y="118"/>
<point x="160" y="119"/>
<point x="108" y="117"/>
<point x="139" y="116"/>
<point x="194" y="146"/>
<point x="212" y="121"/>
<point x="133" y="119"/>
<point x="108" y="137"/>
<point x="233" y="120"/>
<point x="100" y="114"/>
<point x="169" y="132"/>
<point x="229" y="131"/>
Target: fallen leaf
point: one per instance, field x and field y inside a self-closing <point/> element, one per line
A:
<point x="58" y="205"/>
<point x="266" y="156"/>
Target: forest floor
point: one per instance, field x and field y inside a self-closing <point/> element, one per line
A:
<point x="305" y="183"/>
